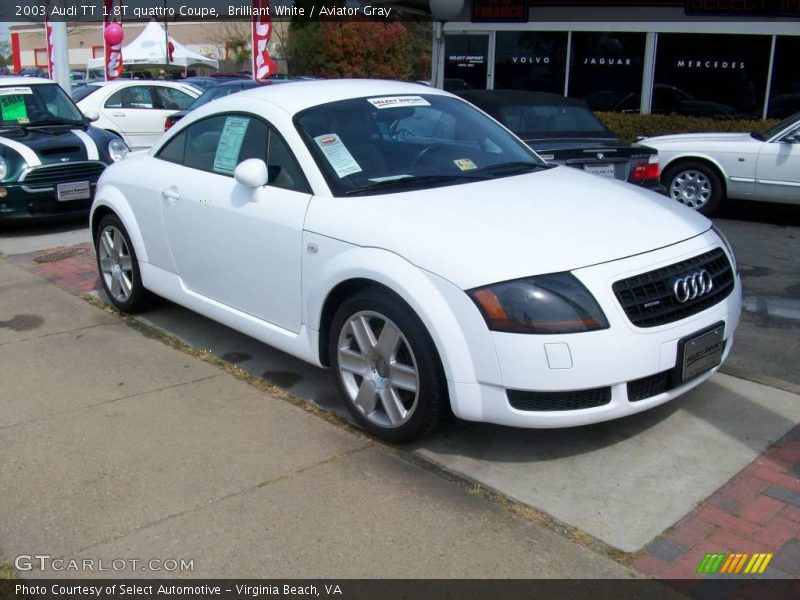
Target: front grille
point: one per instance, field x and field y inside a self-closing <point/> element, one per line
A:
<point x="649" y="300"/>
<point x="550" y="401"/>
<point x="49" y="175"/>
<point x="652" y="385"/>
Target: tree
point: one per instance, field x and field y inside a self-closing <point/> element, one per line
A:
<point x="5" y="52"/>
<point x="351" y="49"/>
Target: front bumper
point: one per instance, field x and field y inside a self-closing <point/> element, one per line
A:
<point x="23" y="203"/>
<point x="612" y="358"/>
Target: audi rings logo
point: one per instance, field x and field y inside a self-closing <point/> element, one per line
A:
<point x="692" y="286"/>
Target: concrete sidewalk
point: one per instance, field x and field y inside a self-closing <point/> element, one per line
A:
<point x="116" y="446"/>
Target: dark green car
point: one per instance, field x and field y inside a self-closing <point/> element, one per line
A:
<point x="50" y="155"/>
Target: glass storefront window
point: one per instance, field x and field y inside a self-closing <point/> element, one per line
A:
<point x="530" y="60"/>
<point x="711" y="75"/>
<point x="784" y="95"/>
<point x="466" y="62"/>
<point x="606" y="69"/>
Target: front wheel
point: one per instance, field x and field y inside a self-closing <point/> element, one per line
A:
<point x="118" y="266"/>
<point x="696" y="185"/>
<point x="386" y="367"/>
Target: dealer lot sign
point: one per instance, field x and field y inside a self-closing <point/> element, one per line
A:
<point x="499" y="11"/>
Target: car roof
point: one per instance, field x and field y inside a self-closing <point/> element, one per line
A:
<point x="13" y="80"/>
<point x="497" y="98"/>
<point x="301" y="95"/>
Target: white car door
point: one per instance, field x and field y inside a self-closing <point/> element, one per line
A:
<point x="237" y="246"/>
<point x="138" y="111"/>
<point x="778" y="170"/>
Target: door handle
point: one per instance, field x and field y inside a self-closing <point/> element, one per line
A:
<point x="117" y="114"/>
<point x="170" y="195"/>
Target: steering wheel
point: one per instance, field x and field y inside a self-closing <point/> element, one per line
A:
<point x="427" y="152"/>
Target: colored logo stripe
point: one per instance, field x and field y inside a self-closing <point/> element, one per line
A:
<point x="734" y="563"/>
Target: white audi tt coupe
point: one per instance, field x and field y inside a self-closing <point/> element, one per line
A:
<point x="413" y="244"/>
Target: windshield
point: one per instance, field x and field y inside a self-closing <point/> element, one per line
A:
<point x="552" y="121"/>
<point x="396" y="143"/>
<point x="39" y="104"/>
<point x="776" y="129"/>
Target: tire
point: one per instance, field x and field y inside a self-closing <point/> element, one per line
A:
<point x="395" y="389"/>
<point x="119" y="267"/>
<point x="695" y="185"/>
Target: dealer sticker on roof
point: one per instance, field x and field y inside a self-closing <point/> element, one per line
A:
<point x="395" y="101"/>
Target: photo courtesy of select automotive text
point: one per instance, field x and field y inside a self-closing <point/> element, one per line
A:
<point x="399" y="299"/>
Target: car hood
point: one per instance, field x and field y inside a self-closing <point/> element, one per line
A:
<point x="477" y="233"/>
<point x="684" y="138"/>
<point x="53" y="145"/>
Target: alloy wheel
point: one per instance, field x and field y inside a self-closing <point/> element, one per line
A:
<point x="116" y="264"/>
<point x="378" y="369"/>
<point x="692" y="188"/>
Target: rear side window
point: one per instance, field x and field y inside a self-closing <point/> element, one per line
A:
<point x="172" y="99"/>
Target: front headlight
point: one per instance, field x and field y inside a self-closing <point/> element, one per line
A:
<point x="117" y="149"/>
<point x="727" y="245"/>
<point x="3" y="168"/>
<point x="554" y="303"/>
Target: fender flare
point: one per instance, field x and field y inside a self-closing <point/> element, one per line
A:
<point x="412" y="285"/>
<point x="111" y="198"/>
<point x="697" y="156"/>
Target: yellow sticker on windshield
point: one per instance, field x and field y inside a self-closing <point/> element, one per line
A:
<point x="465" y="164"/>
<point x="13" y="108"/>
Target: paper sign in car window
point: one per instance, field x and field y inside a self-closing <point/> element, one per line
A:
<point x="337" y="154"/>
<point x="230" y="143"/>
<point x="16" y="90"/>
<point x="465" y="164"/>
<point x="12" y="108"/>
<point x="396" y="101"/>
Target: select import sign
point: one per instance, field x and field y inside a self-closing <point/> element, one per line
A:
<point x="499" y="11"/>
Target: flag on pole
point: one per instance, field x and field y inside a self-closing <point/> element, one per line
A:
<point x="263" y="65"/>
<point x="112" y="37"/>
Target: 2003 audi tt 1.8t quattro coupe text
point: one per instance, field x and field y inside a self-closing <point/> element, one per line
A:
<point x="421" y="250"/>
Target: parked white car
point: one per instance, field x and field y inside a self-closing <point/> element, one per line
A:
<point x="701" y="169"/>
<point x="134" y="109"/>
<point x="407" y="240"/>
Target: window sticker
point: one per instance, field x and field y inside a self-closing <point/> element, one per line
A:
<point x="230" y="143"/>
<point x="337" y="154"/>
<point x="15" y="91"/>
<point x="395" y="101"/>
<point x="13" y="108"/>
<point x="465" y="164"/>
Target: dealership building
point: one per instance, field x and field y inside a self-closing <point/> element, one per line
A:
<point x="701" y="57"/>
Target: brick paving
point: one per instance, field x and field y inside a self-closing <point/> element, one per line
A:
<point x="71" y="267"/>
<point x="756" y="511"/>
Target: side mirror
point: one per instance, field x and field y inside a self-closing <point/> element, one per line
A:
<point x="251" y="173"/>
<point x="91" y="115"/>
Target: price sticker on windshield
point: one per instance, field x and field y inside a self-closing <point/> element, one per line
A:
<point x="337" y="154"/>
<point x="396" y="101"/>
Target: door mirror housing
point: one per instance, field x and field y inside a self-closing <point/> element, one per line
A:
<point x="251" y="173"/>
<point x="91" y="115"/>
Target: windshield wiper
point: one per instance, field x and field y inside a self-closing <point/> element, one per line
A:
<point x="51" y="122"/>
<point x="414" y="181"/>
<point x="514" y="167"/>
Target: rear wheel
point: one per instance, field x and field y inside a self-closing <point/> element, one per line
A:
<point x="696" y="185"/>
<point x="386" y="367"/>
<point x="118" y="266"/>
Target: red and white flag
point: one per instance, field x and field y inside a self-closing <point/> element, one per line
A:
<point x="48" y="34"/>
<point x="263" y="65"/>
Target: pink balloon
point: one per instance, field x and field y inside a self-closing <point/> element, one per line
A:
<point x="113" y="34"/>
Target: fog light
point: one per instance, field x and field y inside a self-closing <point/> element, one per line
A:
<point x="3" y="192"/>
